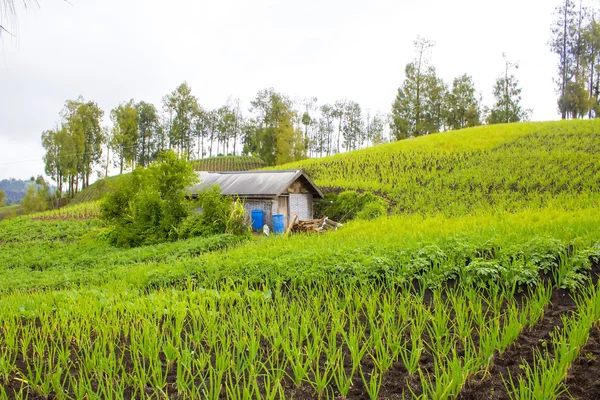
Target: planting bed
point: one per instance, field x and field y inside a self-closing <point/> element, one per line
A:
<point x="490" y="384"/>
<point x="583" y="381"/>
<point x="357" y="341"/>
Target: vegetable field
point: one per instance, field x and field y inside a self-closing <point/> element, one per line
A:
<point x="228" y="163"/>
<point x="511" y="167"/>
<point x="488" y="290"/>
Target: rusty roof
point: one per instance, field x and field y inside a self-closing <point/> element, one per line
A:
<point x="262" y="184"/>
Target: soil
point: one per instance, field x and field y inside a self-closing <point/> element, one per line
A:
<point x="490" y="384"/>
<point x="583" y="380"/>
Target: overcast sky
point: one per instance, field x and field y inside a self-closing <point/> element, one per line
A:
<point x="110" y="51"/>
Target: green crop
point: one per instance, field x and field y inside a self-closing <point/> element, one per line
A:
<point x="492" y="221"/>
<point x="507" y="167"/>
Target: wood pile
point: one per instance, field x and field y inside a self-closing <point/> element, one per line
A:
<point x="313" y="225"/>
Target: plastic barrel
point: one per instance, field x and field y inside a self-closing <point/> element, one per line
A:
<point x="278" y="224"/>
<point x="257" y="219"/>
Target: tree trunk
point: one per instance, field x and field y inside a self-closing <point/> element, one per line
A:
<point x="564" y="61"/>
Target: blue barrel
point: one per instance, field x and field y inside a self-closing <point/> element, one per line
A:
<point x="257" y="219"/>
<point x="278" y="224"/>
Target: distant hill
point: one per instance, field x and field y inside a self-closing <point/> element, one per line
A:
<point x="15" y="189"/>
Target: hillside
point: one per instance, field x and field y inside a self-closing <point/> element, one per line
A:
<point x="493" y="256"/>
<point x="498" y="167"/>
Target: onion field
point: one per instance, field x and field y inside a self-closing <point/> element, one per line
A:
<point x="228" y="163"/>
<point x="483" y="284"/>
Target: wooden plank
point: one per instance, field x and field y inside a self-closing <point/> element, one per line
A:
<point x="291" y="225"/>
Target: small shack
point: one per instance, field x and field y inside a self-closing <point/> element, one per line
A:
<point x="273" y="192"/>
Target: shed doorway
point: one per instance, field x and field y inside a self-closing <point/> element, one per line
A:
<point x="283" y="208"/>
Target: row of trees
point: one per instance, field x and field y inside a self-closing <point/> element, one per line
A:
<point x="426" y="104"/>
<point x="575" y="38"/>
<point x="275" y="128"/>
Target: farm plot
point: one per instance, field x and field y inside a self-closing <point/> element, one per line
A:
<point x="511" y="168"/>
<point x="326" y="341"/>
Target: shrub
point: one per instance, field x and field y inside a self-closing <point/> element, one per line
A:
<point x="351" y="205"/>
<point x="148" y="207"/>
<point x="372" y="210"/>
<point x="216" y="214"/>
<point x="36" y="199"/>
<point x="237" y="223"/>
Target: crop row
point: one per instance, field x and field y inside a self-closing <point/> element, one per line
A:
<point x="228" y="163"/>
<point x="327" y="341"/>
<point x="506" y="249"/>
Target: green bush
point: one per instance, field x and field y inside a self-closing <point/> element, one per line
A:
<point x="216" y="214"/>
<point x="237" y="222"/>
<point x="372" y="210"/>
<point x="148" y="207"/>
<point x="350" y="205"/>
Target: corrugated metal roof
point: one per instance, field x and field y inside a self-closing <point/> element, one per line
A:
<point x="253" y="183"/>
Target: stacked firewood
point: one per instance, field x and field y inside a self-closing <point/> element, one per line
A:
<point x="313" y="225"/>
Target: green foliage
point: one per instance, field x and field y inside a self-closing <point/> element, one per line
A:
<point x="274" y="137"/>
<point x="125" y="118"/>
<point x="2" y="198"/>
<point x="149" y="206"/>
<point x="36" y="199"/>
<point x="373" y="210"/>
<point x="507" y="102"/>
<point x="237" y="221"/>
<point x="182" y="105"/>
<point x="350" y="204"/>
<point x="463" y="108"/>
<point x="210" y="218"/>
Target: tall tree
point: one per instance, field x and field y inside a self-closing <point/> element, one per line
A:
<point x="376" y="128"/>
<point x="182" y="106"/>
<point x="417" y="109"/>
<point x="2" y="198"/>
<point x="423" y="72"/>
<point x="415" y="117"/>
<point x="353" y="126"/>
<point x="507" y="94"/>
<point x="591" y="60"/>
<point x="148" y="127"/>
<point x="434" y="104"/>
<point x="564" y="30"/>
<point x="339" y="112"/>
<point x="463" y="106"/>
<point x="201" y="130"/>
<point x="83" y="122"/>
<point x="274" y="139"/>
<point x="124" y="141"/>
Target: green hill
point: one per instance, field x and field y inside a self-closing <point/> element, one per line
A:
<point x="15" y="189"/>
<point x="498" y="167"/>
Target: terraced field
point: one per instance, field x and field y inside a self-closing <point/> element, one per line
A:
<point x="482" y="285"/>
